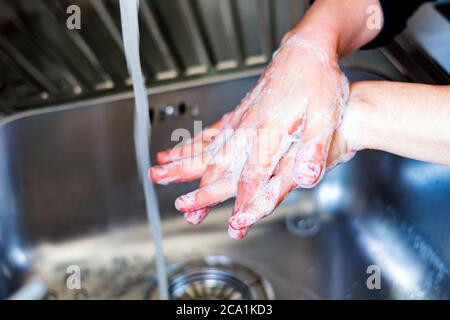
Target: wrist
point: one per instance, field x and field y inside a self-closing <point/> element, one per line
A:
<point x="357" y="124"/>
<point x="349" y="136"/>
<point x="342" y="26"/>
<point x="310" y="42"/>
<point x="323" y="37"/>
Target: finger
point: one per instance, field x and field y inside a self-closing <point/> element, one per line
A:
<point x="209" y="195"/>
<point x="179" y="171"/>
<point x="200" y="142"/>
<point x="271" y="145"/>
<point x="237" y="234"/>
<point x="204" y="202"/>
<point x="313" y="153"/>
<point x="229" y="159"/>
<point x="181" y="152"/>
<point x="257" y="170"/>
<point x="217" y="185"/>
<point x="310" y="162"/>
<point x="197" y="216"/>
<point x="267" y="199"/>
<point x="195" y="145"/>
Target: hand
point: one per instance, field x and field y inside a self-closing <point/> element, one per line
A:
<point x="276" y="140"/>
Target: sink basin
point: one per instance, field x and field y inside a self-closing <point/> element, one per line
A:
<point x="70" y="201"/>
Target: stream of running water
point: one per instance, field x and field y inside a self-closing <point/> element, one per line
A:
<point x="142" y="131"/>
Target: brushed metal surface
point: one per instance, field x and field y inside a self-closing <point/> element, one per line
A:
<point x="42" y="61"/>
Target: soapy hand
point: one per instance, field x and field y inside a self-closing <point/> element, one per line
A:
<point x="276" y="140"/>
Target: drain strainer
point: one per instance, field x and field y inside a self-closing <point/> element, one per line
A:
<point x="213" y="278"/>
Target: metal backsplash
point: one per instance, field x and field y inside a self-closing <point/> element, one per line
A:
<point x="42" y="61"/>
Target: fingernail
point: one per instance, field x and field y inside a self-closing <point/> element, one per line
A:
<point x="162" y="157"/>
<point x="308" y="174"/>
<point x="157" y="172"/>
<point x="237" y="234"/>
<point x="184" y="202"/>
<point x="241" y="220"/>
<point x="195" y="217"/>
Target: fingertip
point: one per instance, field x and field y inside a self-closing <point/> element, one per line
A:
<point x="179" y="204"/>
<point x="151" y="174"/>
<point x="308" y="174"/>
<point x="309" y="165"/>
<point x="184" y="202"/>
<point x="237" y="234"/>
<point x="156" y="173"/>
<point x="163" y="157"/>
<point x="241" y="220"/>
<point x="197" y="216"/>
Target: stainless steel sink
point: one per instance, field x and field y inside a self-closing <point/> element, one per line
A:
<point x="69" y="196"/>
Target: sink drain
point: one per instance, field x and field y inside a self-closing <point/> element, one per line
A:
<point x="213" y="278"/>
<point x="303" y="225"/>
<point x="208" y="284"/>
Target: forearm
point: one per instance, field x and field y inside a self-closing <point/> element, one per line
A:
<point x="339" y="26"/>
<point x="411" y="120"/>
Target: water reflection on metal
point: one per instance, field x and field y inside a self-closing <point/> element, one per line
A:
<point x="410" y="265"/>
